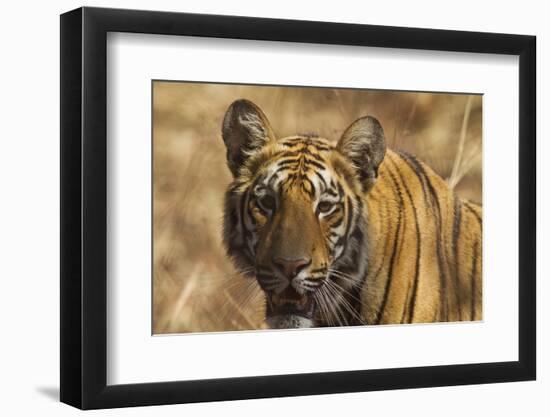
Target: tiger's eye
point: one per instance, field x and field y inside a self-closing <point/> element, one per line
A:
<point x="325" y="206"/>
<point x="267" y="202"/>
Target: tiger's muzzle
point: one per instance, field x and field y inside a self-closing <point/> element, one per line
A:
<point x="290" y="288"/>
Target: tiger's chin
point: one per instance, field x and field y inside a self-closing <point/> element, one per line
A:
<point x="289" y="321"/>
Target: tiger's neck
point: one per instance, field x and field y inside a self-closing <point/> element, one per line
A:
<point x="349" y="272"/>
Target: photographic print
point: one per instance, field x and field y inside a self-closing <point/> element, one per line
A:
<point x="279" y="207"/>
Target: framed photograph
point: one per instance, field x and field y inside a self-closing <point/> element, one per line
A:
<point x="258" y="208"/>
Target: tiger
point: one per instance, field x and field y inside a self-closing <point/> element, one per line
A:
<point x="344" y="234"/>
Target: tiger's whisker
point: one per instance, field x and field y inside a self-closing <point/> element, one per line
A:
<point x="333" y="307"/>
<point x="343" y="303"/>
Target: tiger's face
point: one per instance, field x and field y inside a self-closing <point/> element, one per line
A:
<point x="296" y="217"/>
<point x="294" y="214"/>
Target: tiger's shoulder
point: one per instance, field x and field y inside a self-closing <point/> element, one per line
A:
<point x="425" y="251"/>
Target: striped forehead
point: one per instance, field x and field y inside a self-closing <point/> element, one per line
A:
<point x="301" y="162"/>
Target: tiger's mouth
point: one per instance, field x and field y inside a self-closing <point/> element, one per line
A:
<point x="289" y="302"/>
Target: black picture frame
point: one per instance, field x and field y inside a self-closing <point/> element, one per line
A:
<point x="84" y="207"/>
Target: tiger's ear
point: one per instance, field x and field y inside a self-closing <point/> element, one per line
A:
<point x="245" y="130"/>
<point x="363" y="143"/>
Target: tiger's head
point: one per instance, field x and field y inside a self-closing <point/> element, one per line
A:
<point x="294" y="215"/>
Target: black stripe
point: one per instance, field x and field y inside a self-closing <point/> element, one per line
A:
<point x="234" y="188"/>
<point x="293" y="141"/>
<point x="419" y="171"/>
<point x="394" y="252"/>
<point x="247" y="234"/>
<point x="407" y="304"/>
<point x="359" y="203"/>
<point x="244" y="197"/>
<point x="340" y="189"/>
<point x="467" y="205"/>
<point x="337" y="223"/>
<point x="274" y="177"/>
<point x="412" y="301"/>
<point x="233" y="217"/>
<point x="456" y="234"/>
<point x="357" y="234"/>
<point x="317" y="157"/>
<point x="311" y="192"/>
<point x="375" y="275"/>
<point x="350" y="216"/>
<point x="337" y="209"/>
<point x="436" y="210"/>
<point x="340" y="242"/>
<point x="442" y="275"/>
<point x="290" y="154"/>
<point x="331" y="192"/>
<point x="289" y="178"/>
<point x="321" y="179"/>
<point x="290" y="159"/>
<point x="433" y="196"/>
<point x="313" y="155"/>
<point x="473" y="274"/>
<point x="283" y="169"/>
<point x="314" y="163"/>
<point x="474" y="263"/>
<point x="284" y="162"/>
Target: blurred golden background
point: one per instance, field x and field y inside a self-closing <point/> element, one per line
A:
<point x="195" y="287"/>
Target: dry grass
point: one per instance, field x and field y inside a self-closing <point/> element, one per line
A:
<point x="196" y="288"/>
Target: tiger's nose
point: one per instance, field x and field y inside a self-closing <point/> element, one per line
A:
<point x="291" y="267"/>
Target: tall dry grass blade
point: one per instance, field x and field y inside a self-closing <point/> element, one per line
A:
<point x="410" y="116"/>
<point x="182" y="300"/>
<point x="238" y="308"/>
<point x="395" y="121"/>
<point x="341" y="107"/>
<point x="456" y="172"/>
